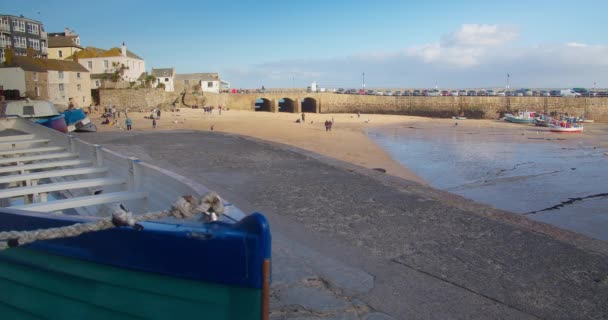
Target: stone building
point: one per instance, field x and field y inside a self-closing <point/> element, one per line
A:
<point x="21" y="33"/>
<point x="26" y="75"/>
<point x="49" y="79"/>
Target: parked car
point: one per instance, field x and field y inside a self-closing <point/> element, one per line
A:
<point x="371" y="92"/>
<point x="545" y="93"/>
<point x="471" y="93"/>
<point x="406" y="93"/>
<point x="388" y="93"/>
<point x="445" y="93"/>
<point x="351" y="91"/>
<point x="501" y="93"/>
<point x="482" y="93"/>
<point x="555" y="93"/>
<point x="491" y="92"/>
<point x="397" y="93"/>
<point x="416" y="93"/>
<point x="454" y="93"/>
<point x="341" y="90"/>
<point x="462" y="93"/>
<point x="379" y="93"/>
<point x="434" y="93"/>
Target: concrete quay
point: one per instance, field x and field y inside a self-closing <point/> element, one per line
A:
<point x="353" y="243"/>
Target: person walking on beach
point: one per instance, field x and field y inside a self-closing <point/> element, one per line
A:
<point x="153" y="123"/>
<point x="158" y="114"/>
<point x="327" y="128"/>
<point x="303" y="117"/>
<point x="128" y="123"/>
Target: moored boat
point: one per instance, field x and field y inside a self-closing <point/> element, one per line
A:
<point x="566" y="127"/>
<point x="160" y="269"/>
<point x="40" y="111"/>
<point x="77" y="120"/>
<point x="521" y="117"/>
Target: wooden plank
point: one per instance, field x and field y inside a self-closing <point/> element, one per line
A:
<point x="82" y="201"/>
<point x="30" y="150"/>
<point x="6" y="145"/>
<point x="16" y="137"/>
<point x="44" y="165"/>
<point x="64" y="185"/>
<point x="46" y="156"/>
<point x="51" y="174"/>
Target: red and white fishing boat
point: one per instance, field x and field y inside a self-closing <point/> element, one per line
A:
<point x="566" y="126"/>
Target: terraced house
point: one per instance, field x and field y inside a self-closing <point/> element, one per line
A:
<point x="48" y="79"/>
<point x="63" y="44"/>
<point x="21" y="33"/>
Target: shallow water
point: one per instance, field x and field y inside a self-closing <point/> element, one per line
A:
<point x="510" y="173"/>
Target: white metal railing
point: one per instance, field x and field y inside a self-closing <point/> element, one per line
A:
<point x="4" y="43"/>
<point x="5" y="27"/>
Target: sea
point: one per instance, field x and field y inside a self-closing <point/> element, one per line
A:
<point x="563" y="182"/>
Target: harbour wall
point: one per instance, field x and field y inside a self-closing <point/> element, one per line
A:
<point x="441" y="107"/>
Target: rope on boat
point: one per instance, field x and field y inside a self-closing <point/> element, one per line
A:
<point x="211" y="205"/>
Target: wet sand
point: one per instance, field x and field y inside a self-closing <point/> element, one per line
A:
<point x="348" y="140"/>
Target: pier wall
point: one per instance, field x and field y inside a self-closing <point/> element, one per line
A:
<point x="441" y="107"/>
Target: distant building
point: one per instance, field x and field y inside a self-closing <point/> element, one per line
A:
<point x="49" y="79"/>
<point x="165" y="76"/>
<point x="26" y="75"/>
<point x="116" y="64"/>
<point x="206" y="82"/>
<point x="21" y="33"/>
<point x="63" y="44"/>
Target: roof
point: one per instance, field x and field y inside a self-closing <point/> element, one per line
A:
<point x="63" y="65"/>
<point x="43" y="65"/>
<point x="198" y="76"/>
<point x="165" y="72"/>
<point x="142" y="76"/>
<point x="25" y="63"/>
<point x="62" y="42"/>
<point x="92" y="52"/>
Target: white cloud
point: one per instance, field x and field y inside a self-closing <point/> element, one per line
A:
<point x="472" y="56"/>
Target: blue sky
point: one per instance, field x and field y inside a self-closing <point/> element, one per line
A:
<point x="396" y="43"/>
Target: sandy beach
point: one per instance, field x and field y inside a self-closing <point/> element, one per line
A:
<point x="348" y="140"/>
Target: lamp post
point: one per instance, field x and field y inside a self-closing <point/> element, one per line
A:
<point x="508" y="85"/>
<point x="363" y="80"/>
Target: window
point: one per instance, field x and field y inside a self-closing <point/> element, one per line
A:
<point x="60" y="73"/>
<point x="32" y="28"/>
<point x="37" y="91"/>
<point x="28" y="111"/>
<point x="35" y="76"/>
<point x="61" y="87"/>
<point x="166" y="79"/>
<point x="90" y="64"/>
<point x="97" y="84"/>
<point x="106" y="64"/>
<point x="18" y="25"/>
<point x="60" y="53"/>
<point x="34" y="43"/>
<point x="209" y="84"/>
<point x="78" y="75"/>
<point x="20" y="42"/>
<point x="78" y="87"/>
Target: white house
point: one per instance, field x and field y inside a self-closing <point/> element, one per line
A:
<point x="166" y="76"/>
<point x="118" y="62"/>
<point x="208" y="82"/>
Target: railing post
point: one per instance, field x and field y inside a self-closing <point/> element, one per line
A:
<point x="134" y="175"/>
<point x="72" y="146"/>
<point x="98" y="156"/>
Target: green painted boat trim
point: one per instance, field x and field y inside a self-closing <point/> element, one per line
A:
<point x="37" y="285"/>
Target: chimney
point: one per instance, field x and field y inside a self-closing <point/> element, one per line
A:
<point x="66" y="31"/>
<point x="124" y="49"/>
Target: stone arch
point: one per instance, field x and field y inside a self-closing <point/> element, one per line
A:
<point x="287" y="105"/>
<point x="309" y="105"/>
<point x="262" y="104"/>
